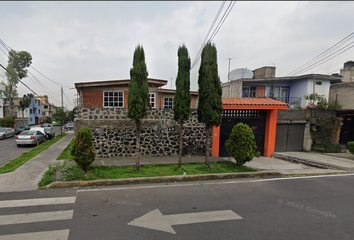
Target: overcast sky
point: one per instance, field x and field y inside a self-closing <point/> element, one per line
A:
<point x="85" y="41"/>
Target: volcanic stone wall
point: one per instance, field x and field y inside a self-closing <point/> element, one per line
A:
<point x="114" y="135"/>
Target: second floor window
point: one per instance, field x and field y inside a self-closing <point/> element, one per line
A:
<point x="30" y="111"/>
<point x="249" y="92"/>
<point x="168" y="102"/>
<point x="113" y="99"/>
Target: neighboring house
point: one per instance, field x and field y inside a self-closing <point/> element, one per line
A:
<point x="47" y="109"/>
<point x="114" y="93"/>
<point x="32" y="113"/>
<point x="347" y="72"/>
<point x="289" y="90"/>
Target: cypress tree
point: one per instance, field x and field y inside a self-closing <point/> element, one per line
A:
<point x="138" y="96"/>
<point x="182" y="102"/>
<point x="209" y="104"/>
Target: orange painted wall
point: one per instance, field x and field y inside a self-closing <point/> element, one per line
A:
<point x="270" y="132"/>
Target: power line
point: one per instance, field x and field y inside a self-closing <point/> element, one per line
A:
<point x="343" y="40"/>
<point x="18" y="79"/>
<point x="222" y="20"/>
<point x="326" y="59"/>
<point x="68" y="99"/>
<point x="211" y="27"/>
<point x="49" y="78"/>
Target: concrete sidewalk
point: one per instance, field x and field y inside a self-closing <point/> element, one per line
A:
<point x="344" y="161"/>
<point x="26" y="177"/>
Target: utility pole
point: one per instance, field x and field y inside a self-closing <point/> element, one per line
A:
<point x="171" y="83"/>
<point x="228" y="73"/>
<point x="62" y="105"/>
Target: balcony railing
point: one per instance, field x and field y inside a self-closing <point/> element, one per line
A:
<point x="293" y="102"/>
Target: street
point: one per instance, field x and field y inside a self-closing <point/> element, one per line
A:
<point x="294" y="208"/>
<point x="9" y="149"/>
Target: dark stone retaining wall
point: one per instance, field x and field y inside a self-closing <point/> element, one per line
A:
<point x="114" y="133"/>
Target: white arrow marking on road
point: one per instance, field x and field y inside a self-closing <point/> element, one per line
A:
<point x="156" y="221"/>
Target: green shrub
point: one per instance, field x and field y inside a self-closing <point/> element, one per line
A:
<point x="241" y="145"/>
<point x="326" y="147"/>
<point x="351" y="147"/>
<point x="82" y="151"/>
<point x="7" y="122"/>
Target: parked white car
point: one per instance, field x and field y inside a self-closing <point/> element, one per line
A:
<point x="6" y="132"/>
<point x="38" y="129"/>
<point x="30" y="137"/>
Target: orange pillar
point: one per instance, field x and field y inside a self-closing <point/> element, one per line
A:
<point x="270" y="134"/>
<point x="216" y="141"/>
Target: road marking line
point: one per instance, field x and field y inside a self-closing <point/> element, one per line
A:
<point x="211" y="183"/>
<point x="36" y="217"/>
<point x="36" y="202"/>
<point x="58" y="235"/>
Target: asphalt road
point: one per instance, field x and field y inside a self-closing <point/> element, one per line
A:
<point x="9" y="149"/>
<point x="304" y="208"/>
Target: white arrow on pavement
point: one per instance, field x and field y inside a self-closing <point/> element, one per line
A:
<point x="156" y="221"/>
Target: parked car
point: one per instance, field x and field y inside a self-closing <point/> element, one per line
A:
<point x="20" y="129"/>
<point x="6" y="132"/>
<point x="38" y="129"/>
<point x="69" y="126"/>
<point x="30" y="137"/>
<point x="49" y="130"/>
<point x="45" y="125"/>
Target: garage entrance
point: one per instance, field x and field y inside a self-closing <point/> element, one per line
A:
<point x="289" y="137"/>
<point x="255" y="119"/>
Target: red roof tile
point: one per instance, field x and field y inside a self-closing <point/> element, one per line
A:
<point x="253" y="101"/>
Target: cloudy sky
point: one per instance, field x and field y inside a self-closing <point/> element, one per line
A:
<point x="83" y="41"/>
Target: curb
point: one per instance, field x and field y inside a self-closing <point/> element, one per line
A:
<point x="179" y="178"/>
<point x="306" y="162"/>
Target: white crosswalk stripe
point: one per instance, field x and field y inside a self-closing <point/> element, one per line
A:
<point x="36" y="202"/>
<point x="46" y="235"/>
<point x="36" y="217"/>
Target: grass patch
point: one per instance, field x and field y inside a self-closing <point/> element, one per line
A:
<point x="63" y="172"/>
<point x="17" y="162"/>
<point x="65" y="155"/>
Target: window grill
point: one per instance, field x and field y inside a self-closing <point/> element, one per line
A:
<point x="243" y="113"/>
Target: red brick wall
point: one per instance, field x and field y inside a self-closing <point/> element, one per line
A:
<point x="92" y="99"/>
<point x="193" y="102"/>
<point x="126" y="99"/>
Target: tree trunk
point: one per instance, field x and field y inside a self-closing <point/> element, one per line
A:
<point x="23" y="118"/>
<point x="207" y="145"/>
<point x="180" y="145"/>
<point x="137" y="147"/>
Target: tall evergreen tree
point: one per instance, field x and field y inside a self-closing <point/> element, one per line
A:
<point x="138" y="96"/>
<point x="182" y="102"/>
<point x="209" y="104"/>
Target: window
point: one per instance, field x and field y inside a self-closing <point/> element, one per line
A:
<point x="31" y="111"/>
<point x="168" y="102"/>
<point x="318" y="83"/>
<point x="113" y="99"/>
<point x="45" y="106"/>
<point x="249" y="92"/>
<point x="39" y="111"/>
<point x="152" y="97"/>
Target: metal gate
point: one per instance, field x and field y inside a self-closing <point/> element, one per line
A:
<point x="255" y="119"/>
<point x="289" y="137"/>
<point x="347" y="129"/>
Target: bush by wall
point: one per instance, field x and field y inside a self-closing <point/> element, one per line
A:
<point x="7" y="122"/>
<point x="241" y="145"/>
<point x="351" y="147"/>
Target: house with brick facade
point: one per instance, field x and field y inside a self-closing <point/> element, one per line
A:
<point x="114" y="94"/>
